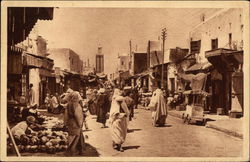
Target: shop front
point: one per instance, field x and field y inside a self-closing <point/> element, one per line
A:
<point x="15" y="74"/>
<point x="59" y="80"/>
<point x="47" y="84"/>
<point x="40" y="75"/>
<point x="227" y="80"/>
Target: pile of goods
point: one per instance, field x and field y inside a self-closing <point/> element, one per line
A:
<point x="145" y="99"/>
<point x="14" y="113"/>
<point x="9" y="145"/>
<point x="48" y="137"/>
<point x="54" y="124"/>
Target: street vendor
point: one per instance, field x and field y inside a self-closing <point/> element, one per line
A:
<point x="20" y="129"/>
<point x="56" y="107"/>
<point x="30" y="111"/>
<point x="64" y="97"/>
<point x="47" y="102"/>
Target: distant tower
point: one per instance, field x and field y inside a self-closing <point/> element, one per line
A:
<point x="99" y="61"/>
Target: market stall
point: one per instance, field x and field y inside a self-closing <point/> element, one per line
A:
<point x="46" y="136"/>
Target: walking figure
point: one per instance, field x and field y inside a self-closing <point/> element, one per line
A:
<point x="102" y="107"/>
<point x="159" y="108"/>
<point x="118" y="120"/>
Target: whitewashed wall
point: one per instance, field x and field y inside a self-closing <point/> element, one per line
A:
<point x="219" y="26"/>
<point x="60" y="57"/>
<point x="35" y="80"/>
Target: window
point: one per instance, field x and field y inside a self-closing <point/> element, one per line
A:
<point x="195" y="46"/>
<point x="214" y="43"/>
<point x="122" y="63"/>
<point x="230" y="40"/>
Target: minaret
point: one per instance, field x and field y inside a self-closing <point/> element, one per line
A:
<point x="99" y="61"/>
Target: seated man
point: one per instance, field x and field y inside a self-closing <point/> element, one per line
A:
<point x="30" y="111"/>
<point x="47" y="102"/>
<point x="19" y="130"/>
<point x="55" y="106"/>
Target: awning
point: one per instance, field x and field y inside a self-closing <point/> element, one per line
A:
<point x="199" y="67"/>
<point x="46" y="73"/>
<point x="32" y="61"/>
<point x="22" y="19"/>
<point x="223" y="58"/>
<point x="146" y="73"/>
<point x="58" y="72"/>
<point x="38" y="61"/>
<point x="186" y="77"/>
<point x="218" y="52"/>
<point x="70" y="73"/>
<point x="198" y="92"/>
<point x="198" y="81"/>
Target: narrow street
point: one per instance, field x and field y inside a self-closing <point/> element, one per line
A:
<point x="174" y="140"/>
<point x="62" y="63"/>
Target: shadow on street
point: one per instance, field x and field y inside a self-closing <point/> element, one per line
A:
<point x="90" y="151"/>
<point x="166" y="125"/>
<point x="132" y="130"/>
<point x="130" y="147"/>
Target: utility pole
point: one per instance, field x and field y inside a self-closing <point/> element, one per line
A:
<point x="164" y="35"/>
<point x="130" y="54"/>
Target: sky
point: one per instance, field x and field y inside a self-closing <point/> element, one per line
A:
<point x="84" y="29"/>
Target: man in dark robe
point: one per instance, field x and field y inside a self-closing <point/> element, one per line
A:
<point x="135" y="97"/>
<point x="102" y="107"/>
<point x="130" y="104"/>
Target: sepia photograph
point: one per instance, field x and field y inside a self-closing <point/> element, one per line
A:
<point x="125" y="81"/>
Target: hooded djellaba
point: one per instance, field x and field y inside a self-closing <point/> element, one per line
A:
<point x="159" y="108"/>
<point x="102" y="107"/>
<point x="74" y="121"/>
<point x="91" y="97"/>
<point x="119" y="114"/>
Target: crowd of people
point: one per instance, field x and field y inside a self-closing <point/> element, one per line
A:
<point x="113" y="105"/>
<point x="114" y="108"/>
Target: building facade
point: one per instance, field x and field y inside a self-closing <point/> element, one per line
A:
<point x="67" y="59"/>
<point x="99" y="61"/>
<point x="123" y="63"/>
<point x="219" y="40"/>
<point x="224" y="30"/>
<point x="38" y="67"/>
<point x="70" y="63"/>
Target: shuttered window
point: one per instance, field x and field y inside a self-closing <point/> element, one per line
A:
<point x="195" y="46"/>
<point x="214" y="43"/>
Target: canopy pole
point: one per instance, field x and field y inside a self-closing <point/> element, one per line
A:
<point x="13" y="141"/>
